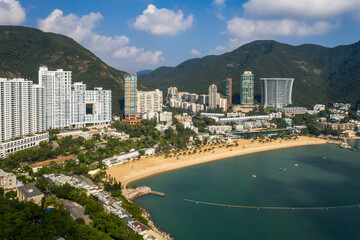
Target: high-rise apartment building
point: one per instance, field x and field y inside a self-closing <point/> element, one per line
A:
<point x="204" y="99"/>
<point x="228" y="92"/>
<point x="89" y="106"/>
<point x="130" y="97"/>
<point x="171" y="92"/>
<point x="57" y="85"/>
<point x="21" y="108"/>
<point x="149" y="101"/>
<point x="213" y="96"/>
<point x="276" y="92"/>
<point x="247" y="88"/>
<point x="68" y="104"/>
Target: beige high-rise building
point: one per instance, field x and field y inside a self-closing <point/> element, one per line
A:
<point x="149" y="101"/>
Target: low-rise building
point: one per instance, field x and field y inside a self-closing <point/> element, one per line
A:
<point x="150" y="115"/>
<point x="12" y="146"/>
<point x="343" y="106"/>
<point x="121" y="158"/>
<point x="30" y="193"/>
<point x="137" y="227"/>
<point x="337" y="117"/>
<point x="7" y="181"/>
<point x="293" y="110"/>
<point x="319" y="107"/>
<point x="165" y="116"/>
<point x="36" y="166"/>
<point x="222" y="129"/>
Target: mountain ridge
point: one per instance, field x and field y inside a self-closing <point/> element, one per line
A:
<point x="23" y="50"/>
<point x="321" y="74"/>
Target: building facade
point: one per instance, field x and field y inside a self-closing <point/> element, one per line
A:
<point x="212" y="96"/>
<point x="276" y="92"/>
<point x="89" y="106"/>
<point x="247" y="88"/>
<point x="71" y="105"/>
<point x="228" y="92"/>
<point x="30" y="193"/>
<point x="7" y="181"/>
<point x="130" y="97"/>
<point x="171" y="92"/>
<point x="149" y="101"/>
<point x="21" y="108"/>
<point x="57" y="85"/>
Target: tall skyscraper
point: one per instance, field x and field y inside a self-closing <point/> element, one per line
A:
<point x="21" y="108"/>
<point x="228" y="92"/>
<point x="171" y="92"/>
<point x="212" y="96"/>
<point x="247" y="88"/>
<point x="57" y="85"/>
<point x="276" y="92"/>
<point x="130" y="99"/>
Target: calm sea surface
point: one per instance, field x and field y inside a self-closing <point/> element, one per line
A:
<point x="326" y="175"/>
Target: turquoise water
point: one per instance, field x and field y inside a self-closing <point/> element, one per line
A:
<point x="331" y="181"/>
<point x="354" y="143"/>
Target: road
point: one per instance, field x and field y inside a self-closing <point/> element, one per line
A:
<point x="76" y="210"/>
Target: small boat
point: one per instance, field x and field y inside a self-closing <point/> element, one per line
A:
<point x="285" y="169"/>
<point x="254" y="176"/>
<point x="280" y="169"/>
<point x="315" y="161"/>
<point x="324" y="158"/>
<point x="296" y="164"/>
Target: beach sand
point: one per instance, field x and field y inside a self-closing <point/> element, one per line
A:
<point x="147" y="166"/>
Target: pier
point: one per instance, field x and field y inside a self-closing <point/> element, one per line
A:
<point x="131" y="193"/>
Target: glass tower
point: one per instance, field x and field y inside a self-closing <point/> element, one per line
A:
<point x="247" y="88"/>
<point x="130" y="100"/>
<point x="276" y="92"/>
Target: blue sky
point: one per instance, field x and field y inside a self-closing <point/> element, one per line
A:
<point x="133" y="35"/>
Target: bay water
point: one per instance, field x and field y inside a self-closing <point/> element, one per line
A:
<point x="308" y="176"/>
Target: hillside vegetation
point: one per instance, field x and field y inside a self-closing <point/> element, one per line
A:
<point x="23" y="50"/>
<point x="321" y="74"/>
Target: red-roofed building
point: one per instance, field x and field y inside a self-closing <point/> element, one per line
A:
<point x="36" y="166"/>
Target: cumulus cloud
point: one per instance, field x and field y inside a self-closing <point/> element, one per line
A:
<point x="11" y="12"/>
<point x="162" y="21"/>
<point x="110" y="49"/>
<point x="299" y="8"/>
<point x="195" y="52"/>
<point x="219" y="2"/>
<point x="255" y="29"/>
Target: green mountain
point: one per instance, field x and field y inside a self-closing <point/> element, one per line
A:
<point x="321" y="74"/>
<point x="23" y="50"/>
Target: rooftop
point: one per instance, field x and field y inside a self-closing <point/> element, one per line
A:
<point x="57" y="160"/>
<point x="30" y="190"/>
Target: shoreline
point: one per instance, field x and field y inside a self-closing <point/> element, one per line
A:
<point x="148" y="166"/>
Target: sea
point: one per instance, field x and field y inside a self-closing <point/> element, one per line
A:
<point x="323" y="176"/>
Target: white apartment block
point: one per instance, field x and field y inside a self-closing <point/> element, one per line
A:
<point x="89" y="106"/>
<point x="149" y="101"/>
<point x="319" y="107"/>
<point x="165" y="117"/>
<point x="71" y="104"/>
<point x="10" y="147"/>
<point x="7" y="181"/>
<point x="57" y="86"/>
<point x="21" y="105"/>
<point x="223" y="104"/>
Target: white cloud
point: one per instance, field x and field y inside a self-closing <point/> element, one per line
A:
<point x="219" y="2"/>
<point x="257" y="29"/>
<point x="11" y="12"/>
<point x="162" y="21"/>
<point x="230" y="45"/>
<point x="299" y="8"/>
<point x="113" y="50"/>
<point x="195" y="52"/>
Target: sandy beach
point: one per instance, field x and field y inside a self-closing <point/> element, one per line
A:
<point x="147" y="166"/>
